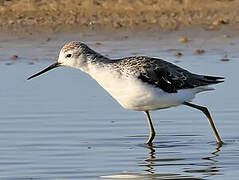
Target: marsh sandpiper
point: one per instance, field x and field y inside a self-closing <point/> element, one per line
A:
<point x="139" y="83"/>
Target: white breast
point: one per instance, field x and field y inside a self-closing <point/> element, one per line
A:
<point x="134" y="94"/>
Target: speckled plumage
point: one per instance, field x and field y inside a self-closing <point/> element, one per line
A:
<point x="81" y="48"/>
<point x="162" y="74"/>
<point x="150" y="70"/>
<point x="157" y="72"/>
<point x="135" y="82"/>
<point x="139" y="83"/>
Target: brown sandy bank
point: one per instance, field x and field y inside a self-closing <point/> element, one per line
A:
<point x="76" y="15"/>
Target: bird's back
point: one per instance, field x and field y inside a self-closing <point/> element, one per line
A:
<point x="163" y="74"/>
<point x="143" y="83"/>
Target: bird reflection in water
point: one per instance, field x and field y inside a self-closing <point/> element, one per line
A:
<point x="150" y="161"/>
<point x="188" y="168"/>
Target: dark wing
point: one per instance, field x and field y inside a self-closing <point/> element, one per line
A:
<point x="171" y="78"/>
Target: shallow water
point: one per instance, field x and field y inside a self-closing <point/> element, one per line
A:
<point x="63" y="125"/>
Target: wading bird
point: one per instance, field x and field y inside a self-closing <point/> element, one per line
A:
<point x="139" y="83"/>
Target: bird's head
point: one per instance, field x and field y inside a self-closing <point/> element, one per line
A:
<point x="73" y="54"/>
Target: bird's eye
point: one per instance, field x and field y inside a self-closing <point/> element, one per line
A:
<point x="68" y="55"/>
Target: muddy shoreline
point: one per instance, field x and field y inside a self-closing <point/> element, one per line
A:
<point x="176" y="46"/>
<point x="61" y="16"/>
<point x="63" y="125"/>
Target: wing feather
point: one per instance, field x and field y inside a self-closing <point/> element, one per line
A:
<point x="172" y="78"/>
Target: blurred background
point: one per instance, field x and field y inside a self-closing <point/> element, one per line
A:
<point x="64" y="126"/>
<point x="74" y="15"/>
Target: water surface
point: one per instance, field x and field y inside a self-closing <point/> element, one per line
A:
<point x="63" y="125"/>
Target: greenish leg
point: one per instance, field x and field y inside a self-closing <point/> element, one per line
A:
<point x="206" y="112"/>
<point x="152" y="132"/>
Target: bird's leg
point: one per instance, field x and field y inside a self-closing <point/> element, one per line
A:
<point x="206" y="112"/>
<point x="152" y="132"/>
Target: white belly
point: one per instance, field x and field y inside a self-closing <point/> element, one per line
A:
<point x="134" y="94"/>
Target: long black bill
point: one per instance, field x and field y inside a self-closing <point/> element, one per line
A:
<point x="45" y="70"/>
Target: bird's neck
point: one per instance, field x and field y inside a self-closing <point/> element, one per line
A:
<point x="99" y="66"/>
<point x="97" y="61"/>
<point x="90" y="60"/>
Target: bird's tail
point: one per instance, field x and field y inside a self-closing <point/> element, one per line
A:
<point x="212" y="79"/>
<point x="206" y="81"/>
